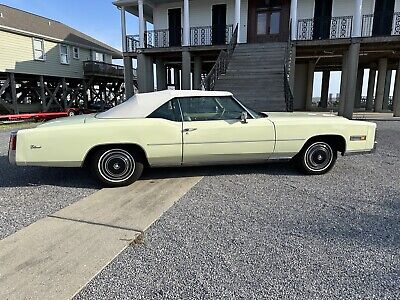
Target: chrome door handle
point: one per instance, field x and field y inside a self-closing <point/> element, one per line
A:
<point x="189" y="129"/>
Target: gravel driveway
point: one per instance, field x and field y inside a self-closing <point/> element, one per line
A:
<point x="257" y="232"/>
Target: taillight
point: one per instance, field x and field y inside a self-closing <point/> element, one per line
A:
<point x="13" y="141"/>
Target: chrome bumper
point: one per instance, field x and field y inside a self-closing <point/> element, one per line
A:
<point x="350" y="153"/>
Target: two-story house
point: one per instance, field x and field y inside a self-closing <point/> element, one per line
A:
<point x="267" y="51"/>
<point x="46" y="65"/>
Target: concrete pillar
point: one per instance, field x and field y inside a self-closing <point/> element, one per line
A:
<point x="343" y="82"/>
<point x="128" y="76"/>
<point x="161" y="75"/>
<point x="293" y="18"/>
<point x="310" y="85"/>
<point x="386" y="93"/>
<point x="186" y="70"/>
<point x="354" y="52"/>
<point x="359" y="86"/>
<point x="357" y="18"/>
<point x="396" y="93"/>
<point x="186" y="25"/>
<point x="237" y="17"/>
<point x="197" y="73"/>
<point x="371" y="90"/>
<point x="142" y="24"/>
<point x="141" y="73"/>
<point x="325" y="88"/>
<point x="177" y="79"/>
<point x="150" y="74"/>
<point x="123" y="28"/>
<point x="380" y="88"/>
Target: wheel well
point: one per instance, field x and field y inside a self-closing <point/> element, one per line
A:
<point x="128" y="147"/>
<point x="337" y="142"/>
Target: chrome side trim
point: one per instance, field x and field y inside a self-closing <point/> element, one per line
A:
<point x="164" y="144"/>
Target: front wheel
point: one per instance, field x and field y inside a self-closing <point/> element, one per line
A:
<point x="117" y="167"/>
<point x="317" y="158"/>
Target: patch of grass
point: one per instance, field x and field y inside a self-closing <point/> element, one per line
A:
<point x="22" y="125"/>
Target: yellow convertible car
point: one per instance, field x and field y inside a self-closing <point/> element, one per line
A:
<point x="185" y="128"/>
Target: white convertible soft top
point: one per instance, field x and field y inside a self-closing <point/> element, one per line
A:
<point x="142" y="105"/>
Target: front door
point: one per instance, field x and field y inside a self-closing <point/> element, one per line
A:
<point x="174" y="27"/>
<point x="383" y="17"/>
<point x="218" y="24"/>
<point x="322" y="19"/>
<point x="268" y="21"/>
<point x="213" y="132"/>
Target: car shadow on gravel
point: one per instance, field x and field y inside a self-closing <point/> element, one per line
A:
<point x="13" y="176"/>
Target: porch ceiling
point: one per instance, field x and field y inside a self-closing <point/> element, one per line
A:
<point x="131" y="6"/>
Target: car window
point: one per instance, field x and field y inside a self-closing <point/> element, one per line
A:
<point x="210" y="108"/>
<point x="168" y="111"/>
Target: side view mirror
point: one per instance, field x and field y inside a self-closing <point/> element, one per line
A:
<point x="243" y="117"/>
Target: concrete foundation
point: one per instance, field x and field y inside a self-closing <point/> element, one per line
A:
<point x="128" y="77"/>
<point x="386" y="93"/>
<point x="380" y="88"/>
<point x="343" y="83"/>
<point x="186" y="64"/>
<point x="161" y="72"/>
<point x="359" y="85"/>
<point x="354" y="52"/>
<point x="325" y="88"/>
<point x="371" y="90"/>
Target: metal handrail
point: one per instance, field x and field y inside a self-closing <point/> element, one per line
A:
<point x="289" y="98"/>
<point x="221" y="65"/>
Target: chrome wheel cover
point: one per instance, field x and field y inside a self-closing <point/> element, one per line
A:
<point x="318" y="157"/>
<point x="116" y="165"/>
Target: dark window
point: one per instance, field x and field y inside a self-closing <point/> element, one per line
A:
<point x="168" y="111"/>
<point x="210" y="108"/>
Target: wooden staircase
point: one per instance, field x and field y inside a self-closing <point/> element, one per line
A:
<point x="255" y="76"/>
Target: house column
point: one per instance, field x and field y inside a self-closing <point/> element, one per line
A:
<point x="380" y="88"/>
<point x="343" y="82"/>
<point x="123" y="28"/>
<point x="186" y="25"/>
<point x="386" y="94"/>
<point x="141" y="71"/>
<point x="237" y="17"/>
<point x="161" y="74"/>
<point x="186" y="66"/>
<point x="325" y="88"/>
<point x="357" y="18"/>
<point x="150" y="73"/>
<point x="142" y="24"/>
<point x="293" y="18"/>
<point x="177" y="79"/>
<point x="310" y="84"/>
<point x="359" y="85"/>
<point x="197" y="73"/>
<point x="396" y="93"/>
<point x="371" y="89"/>
<point x="128" y="77"/>
<point x="354" y="52"/>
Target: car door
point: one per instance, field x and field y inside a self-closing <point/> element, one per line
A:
<point x="213" y="132"/>
<point x="164" y="135"/>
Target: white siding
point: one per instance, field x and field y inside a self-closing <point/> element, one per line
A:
<point x="16" y="55"/>
<point x="340" y="8"/>
<point x="201" y="14"/>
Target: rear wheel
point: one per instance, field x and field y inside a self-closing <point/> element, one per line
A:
<point x="317" y="158"/>
<point x="117" y="167"/>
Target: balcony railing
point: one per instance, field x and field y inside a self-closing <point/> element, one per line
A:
<point x="199" y="36"/>
<point x="342" y="27"/>
<point x="389" y="24"/>
<point x="317" y="29"/>
<point x="99" y="68"/>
